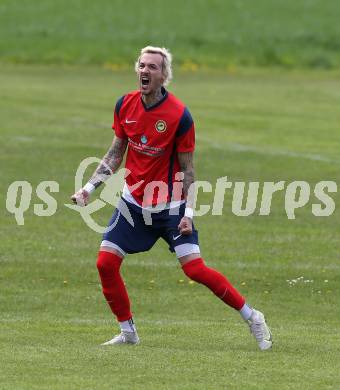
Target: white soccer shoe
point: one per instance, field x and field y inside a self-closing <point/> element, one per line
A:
<point x="260" y="330"/>
<point x="124" y="338"/>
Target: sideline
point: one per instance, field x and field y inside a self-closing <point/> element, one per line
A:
<point x="243" y="148"/>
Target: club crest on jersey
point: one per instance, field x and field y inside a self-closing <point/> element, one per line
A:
<point x="160" y="126"/>
<point x="143" y="139"/>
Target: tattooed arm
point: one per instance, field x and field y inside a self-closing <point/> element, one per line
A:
<point x="186" y="164"/>
<point x="109" y="164"/>
<point x="187" y="167"/>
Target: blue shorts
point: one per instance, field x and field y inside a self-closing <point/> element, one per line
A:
<point x="131" y="231"/>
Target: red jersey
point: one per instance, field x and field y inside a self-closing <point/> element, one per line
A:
<point x="155" y="135"/>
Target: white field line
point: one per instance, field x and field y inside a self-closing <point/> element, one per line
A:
<point x="289" y="267"/>
<point x="235" y="264"/>
<point x="23" y="139"/>
<point x="236" y="147"/>
<point x="233" y="147"/>
<point x="87" y="321"/>
<point x="228" y="323"/>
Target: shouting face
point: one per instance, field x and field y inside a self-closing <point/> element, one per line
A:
<point x="150" y="73"/>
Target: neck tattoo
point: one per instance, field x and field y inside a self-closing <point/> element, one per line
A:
<point x="151" y="100"/>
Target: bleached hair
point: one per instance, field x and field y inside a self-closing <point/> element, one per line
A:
<point x="167" y="60"/>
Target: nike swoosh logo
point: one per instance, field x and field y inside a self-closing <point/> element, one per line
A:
<point x="175" y="237"/>
<point x="127" y="121"/>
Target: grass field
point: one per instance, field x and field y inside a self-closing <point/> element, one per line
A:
<point x="251" y="125"/>
<point x="214" y="33"/>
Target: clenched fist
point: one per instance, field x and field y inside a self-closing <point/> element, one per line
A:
<point x="185" y="226"/>
<point x="81" y="198"/>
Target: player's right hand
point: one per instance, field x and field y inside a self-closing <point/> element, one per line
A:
<point x="185" y="226"/>
<point x="81" y="198"/>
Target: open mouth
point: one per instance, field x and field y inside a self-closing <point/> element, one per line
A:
<point x="145" y="81"/>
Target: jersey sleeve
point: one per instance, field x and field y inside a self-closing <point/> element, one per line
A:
<point x="116" y="126"/>
<point x="185" y="134"/>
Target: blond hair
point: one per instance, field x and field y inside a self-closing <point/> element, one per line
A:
<point x="166" y="65"/>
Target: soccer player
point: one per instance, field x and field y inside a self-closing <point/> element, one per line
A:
<point x="158" y="133"/>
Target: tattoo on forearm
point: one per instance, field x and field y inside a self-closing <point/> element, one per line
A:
<point x="110" y="162"/>
<point x="187" y="167"/>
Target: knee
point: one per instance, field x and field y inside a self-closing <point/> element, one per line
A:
<point x="108" y="262"/>
<point x="193" y="269"/>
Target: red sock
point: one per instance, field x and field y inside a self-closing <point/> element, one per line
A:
<point x="114" y="290"/>
<point x="215" y="281"/>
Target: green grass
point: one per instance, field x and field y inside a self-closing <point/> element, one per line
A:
<point x="251" y="125"/>
<point x="214" y="33"/>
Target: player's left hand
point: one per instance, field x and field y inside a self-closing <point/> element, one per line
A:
<point x="185" y="226"/>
